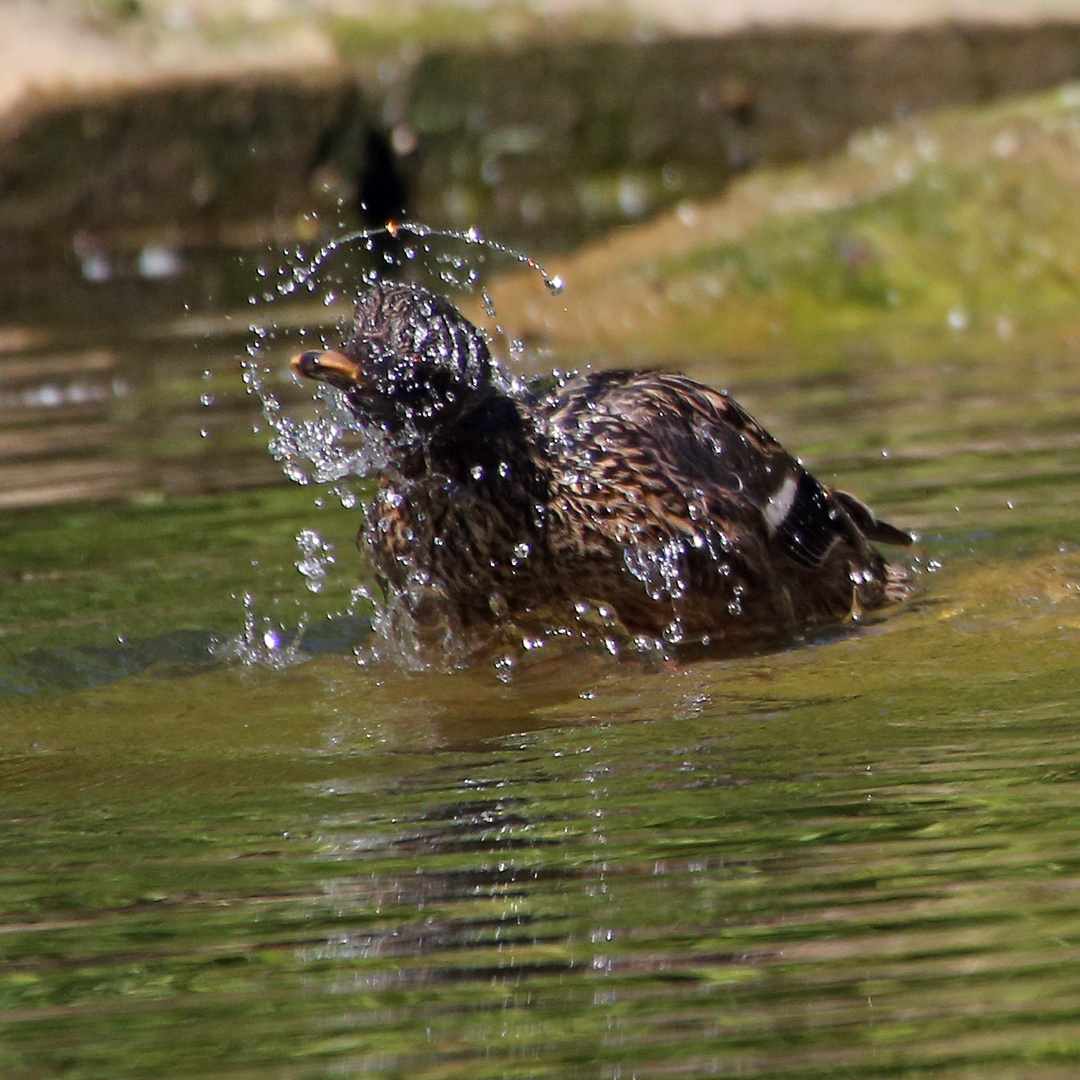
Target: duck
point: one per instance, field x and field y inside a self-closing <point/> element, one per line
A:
<point x="643" y="497"/>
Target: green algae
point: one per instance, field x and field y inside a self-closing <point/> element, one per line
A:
<point x="920" y="238"/>
<point x="982" y="246"/>
<point x="402" y="31"/>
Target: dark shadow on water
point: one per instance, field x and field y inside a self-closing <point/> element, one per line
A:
<point x="79" y="667"/>
<point x="177" y="654"/>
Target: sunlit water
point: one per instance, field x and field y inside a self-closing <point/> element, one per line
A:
<point x="231" y="850"/>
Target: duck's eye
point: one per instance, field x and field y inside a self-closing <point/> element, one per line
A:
<point x="309" y="359"/>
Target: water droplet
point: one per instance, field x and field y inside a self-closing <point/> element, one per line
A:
<point x="315" y="558"/>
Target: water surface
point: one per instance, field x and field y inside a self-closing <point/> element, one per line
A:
<point x="853" y="858"/>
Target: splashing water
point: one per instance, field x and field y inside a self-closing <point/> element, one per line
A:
<point x="316" y="558"/>
<point x="336" y="444"/>
<point x="370" y="238"/>
<point x="310" y="297"/>
<point x="264" y="641"/>
<point x="318" y="450"/>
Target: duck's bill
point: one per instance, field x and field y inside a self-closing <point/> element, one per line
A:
<point x="328" y="366"/>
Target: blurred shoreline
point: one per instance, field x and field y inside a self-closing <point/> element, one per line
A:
<point x="50" y="48"/>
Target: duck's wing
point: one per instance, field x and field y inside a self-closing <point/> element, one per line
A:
<point x="671" y="442"/>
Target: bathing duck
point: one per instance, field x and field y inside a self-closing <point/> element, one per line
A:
<point x="643" y="495"/>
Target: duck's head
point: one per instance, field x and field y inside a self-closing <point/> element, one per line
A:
<point x="410" y="359"/>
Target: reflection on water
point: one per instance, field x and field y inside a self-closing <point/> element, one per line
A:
<point x="855" y="858"/>
<point x="753" y="868"/>
<point x="114" y="398"/>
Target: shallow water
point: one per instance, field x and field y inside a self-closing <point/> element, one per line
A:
<point x="853" y="858"/>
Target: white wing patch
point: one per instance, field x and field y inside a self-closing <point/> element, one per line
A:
<point x="780" y="503"/>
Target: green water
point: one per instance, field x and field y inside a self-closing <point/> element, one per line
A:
<point x="855" y="858"/>
<point x="230" y="849"/>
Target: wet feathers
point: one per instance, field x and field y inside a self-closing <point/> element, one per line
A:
<point x="645" y="493"/>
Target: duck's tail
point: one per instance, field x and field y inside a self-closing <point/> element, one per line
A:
<point x="869" y="524"/>
<point x="899" y="584"/>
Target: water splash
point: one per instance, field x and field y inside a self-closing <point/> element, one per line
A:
<point x="316" y="558"/>
<point x="371" y="239"/>
<point x="333" y="447"/>
<point x="298" y="299"/>
<point x="264" y="641"/>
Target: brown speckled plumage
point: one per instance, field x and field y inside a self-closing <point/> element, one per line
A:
<point x="645" y="492"/>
